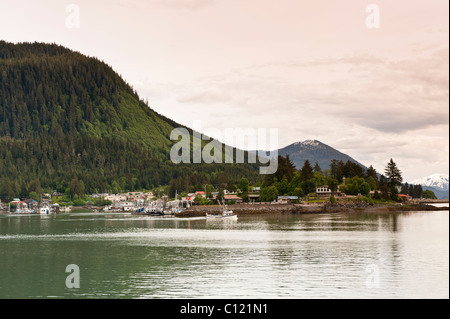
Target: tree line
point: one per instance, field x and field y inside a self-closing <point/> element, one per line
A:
<point x="351" y="178"/>
<point x="85" y="165"/>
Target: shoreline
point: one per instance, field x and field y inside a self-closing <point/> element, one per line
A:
<point x="269" y="209"/>
<point x="276" y="209"/>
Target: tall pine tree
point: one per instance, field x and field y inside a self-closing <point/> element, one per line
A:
<point x="371" y="172"/>
<point x="393" y="174"/>
<point x="306" y="172"/>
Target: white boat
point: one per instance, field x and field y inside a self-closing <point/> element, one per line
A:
<point x="44" y="210"/>
<point x="226" y="214"/>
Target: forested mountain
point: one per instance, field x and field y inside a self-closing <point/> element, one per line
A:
<point x="65" y="116"/>
<point x="48" y="89"/>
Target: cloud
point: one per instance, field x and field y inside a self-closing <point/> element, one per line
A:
<point x="208" y="96"/>
<point x="389" y="96"/>
<point x="383" y="95"/>
<point x="364" y="105"/>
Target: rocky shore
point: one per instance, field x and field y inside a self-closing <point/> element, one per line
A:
<point x="259" y="209"/>
<point x="310" y="208"/>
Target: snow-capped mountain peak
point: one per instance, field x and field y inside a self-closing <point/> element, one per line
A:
<point x="311" y="142"/>
<point x="314" y="151"/>
<point x="434" y="180"/>
<point x="308" y="143"/>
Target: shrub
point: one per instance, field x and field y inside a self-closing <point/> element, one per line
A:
<point x="78" y="202"/>
<point x="102" y="202"/>
<point x="332" y="199"/>
<point x="368" y="199"/>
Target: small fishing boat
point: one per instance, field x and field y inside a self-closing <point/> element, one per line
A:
<point x="151" y="210"/>
<point x="45" y="210"/>
<point x="226" y="214"/>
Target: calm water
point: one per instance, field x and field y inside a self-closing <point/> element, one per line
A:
<point x="386" y="255"/>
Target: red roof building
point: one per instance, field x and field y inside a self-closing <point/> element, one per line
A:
<point x="405" y="197"/>
<point x="200" y="193"/>
<point x="228" y="198"/>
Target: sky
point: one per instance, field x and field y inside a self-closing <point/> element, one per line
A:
<point x="369" y="78"/>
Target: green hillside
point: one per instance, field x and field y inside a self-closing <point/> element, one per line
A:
<point x="48" y="89"/>
<point x="65" y="116"/>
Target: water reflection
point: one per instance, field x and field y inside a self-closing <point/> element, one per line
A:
<point x="299" y="256"/>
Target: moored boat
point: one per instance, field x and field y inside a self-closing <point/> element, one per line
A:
<point x="44" y="210"/>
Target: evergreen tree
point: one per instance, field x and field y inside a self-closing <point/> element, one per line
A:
<point x="35" y="186"/>
<point x="337" y="169"/>
<point x="394" y="194"/>
<point x="317" y="168"/>
<point x="286" y="168"/>
<point x="411" y="190"/>
<point x="404" y="189"/>
<point x="371" y="172"/>
<point x="306" y="172"/>
<point x="76" y="187"/>
<point x="308" y="186"/>
<point x="417" y="191"/>
<point x="393" y="174"/>
<point x="384" y="187"/>
<point x="6" y="191"/>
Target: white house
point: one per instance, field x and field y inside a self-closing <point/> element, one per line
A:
<point x="286" y="199"/>
<point x="116" y="197"/>
<point x="323" y="191"/>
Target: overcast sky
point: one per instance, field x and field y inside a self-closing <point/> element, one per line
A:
<point x="312" y="69"/>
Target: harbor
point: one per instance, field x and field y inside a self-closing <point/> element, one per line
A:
<point x="188" y="208"/>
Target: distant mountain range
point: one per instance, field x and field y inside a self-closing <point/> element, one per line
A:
<point x="437" y="183"/>
<point x="434" y="180"/>
<point x="314" y="151"/>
